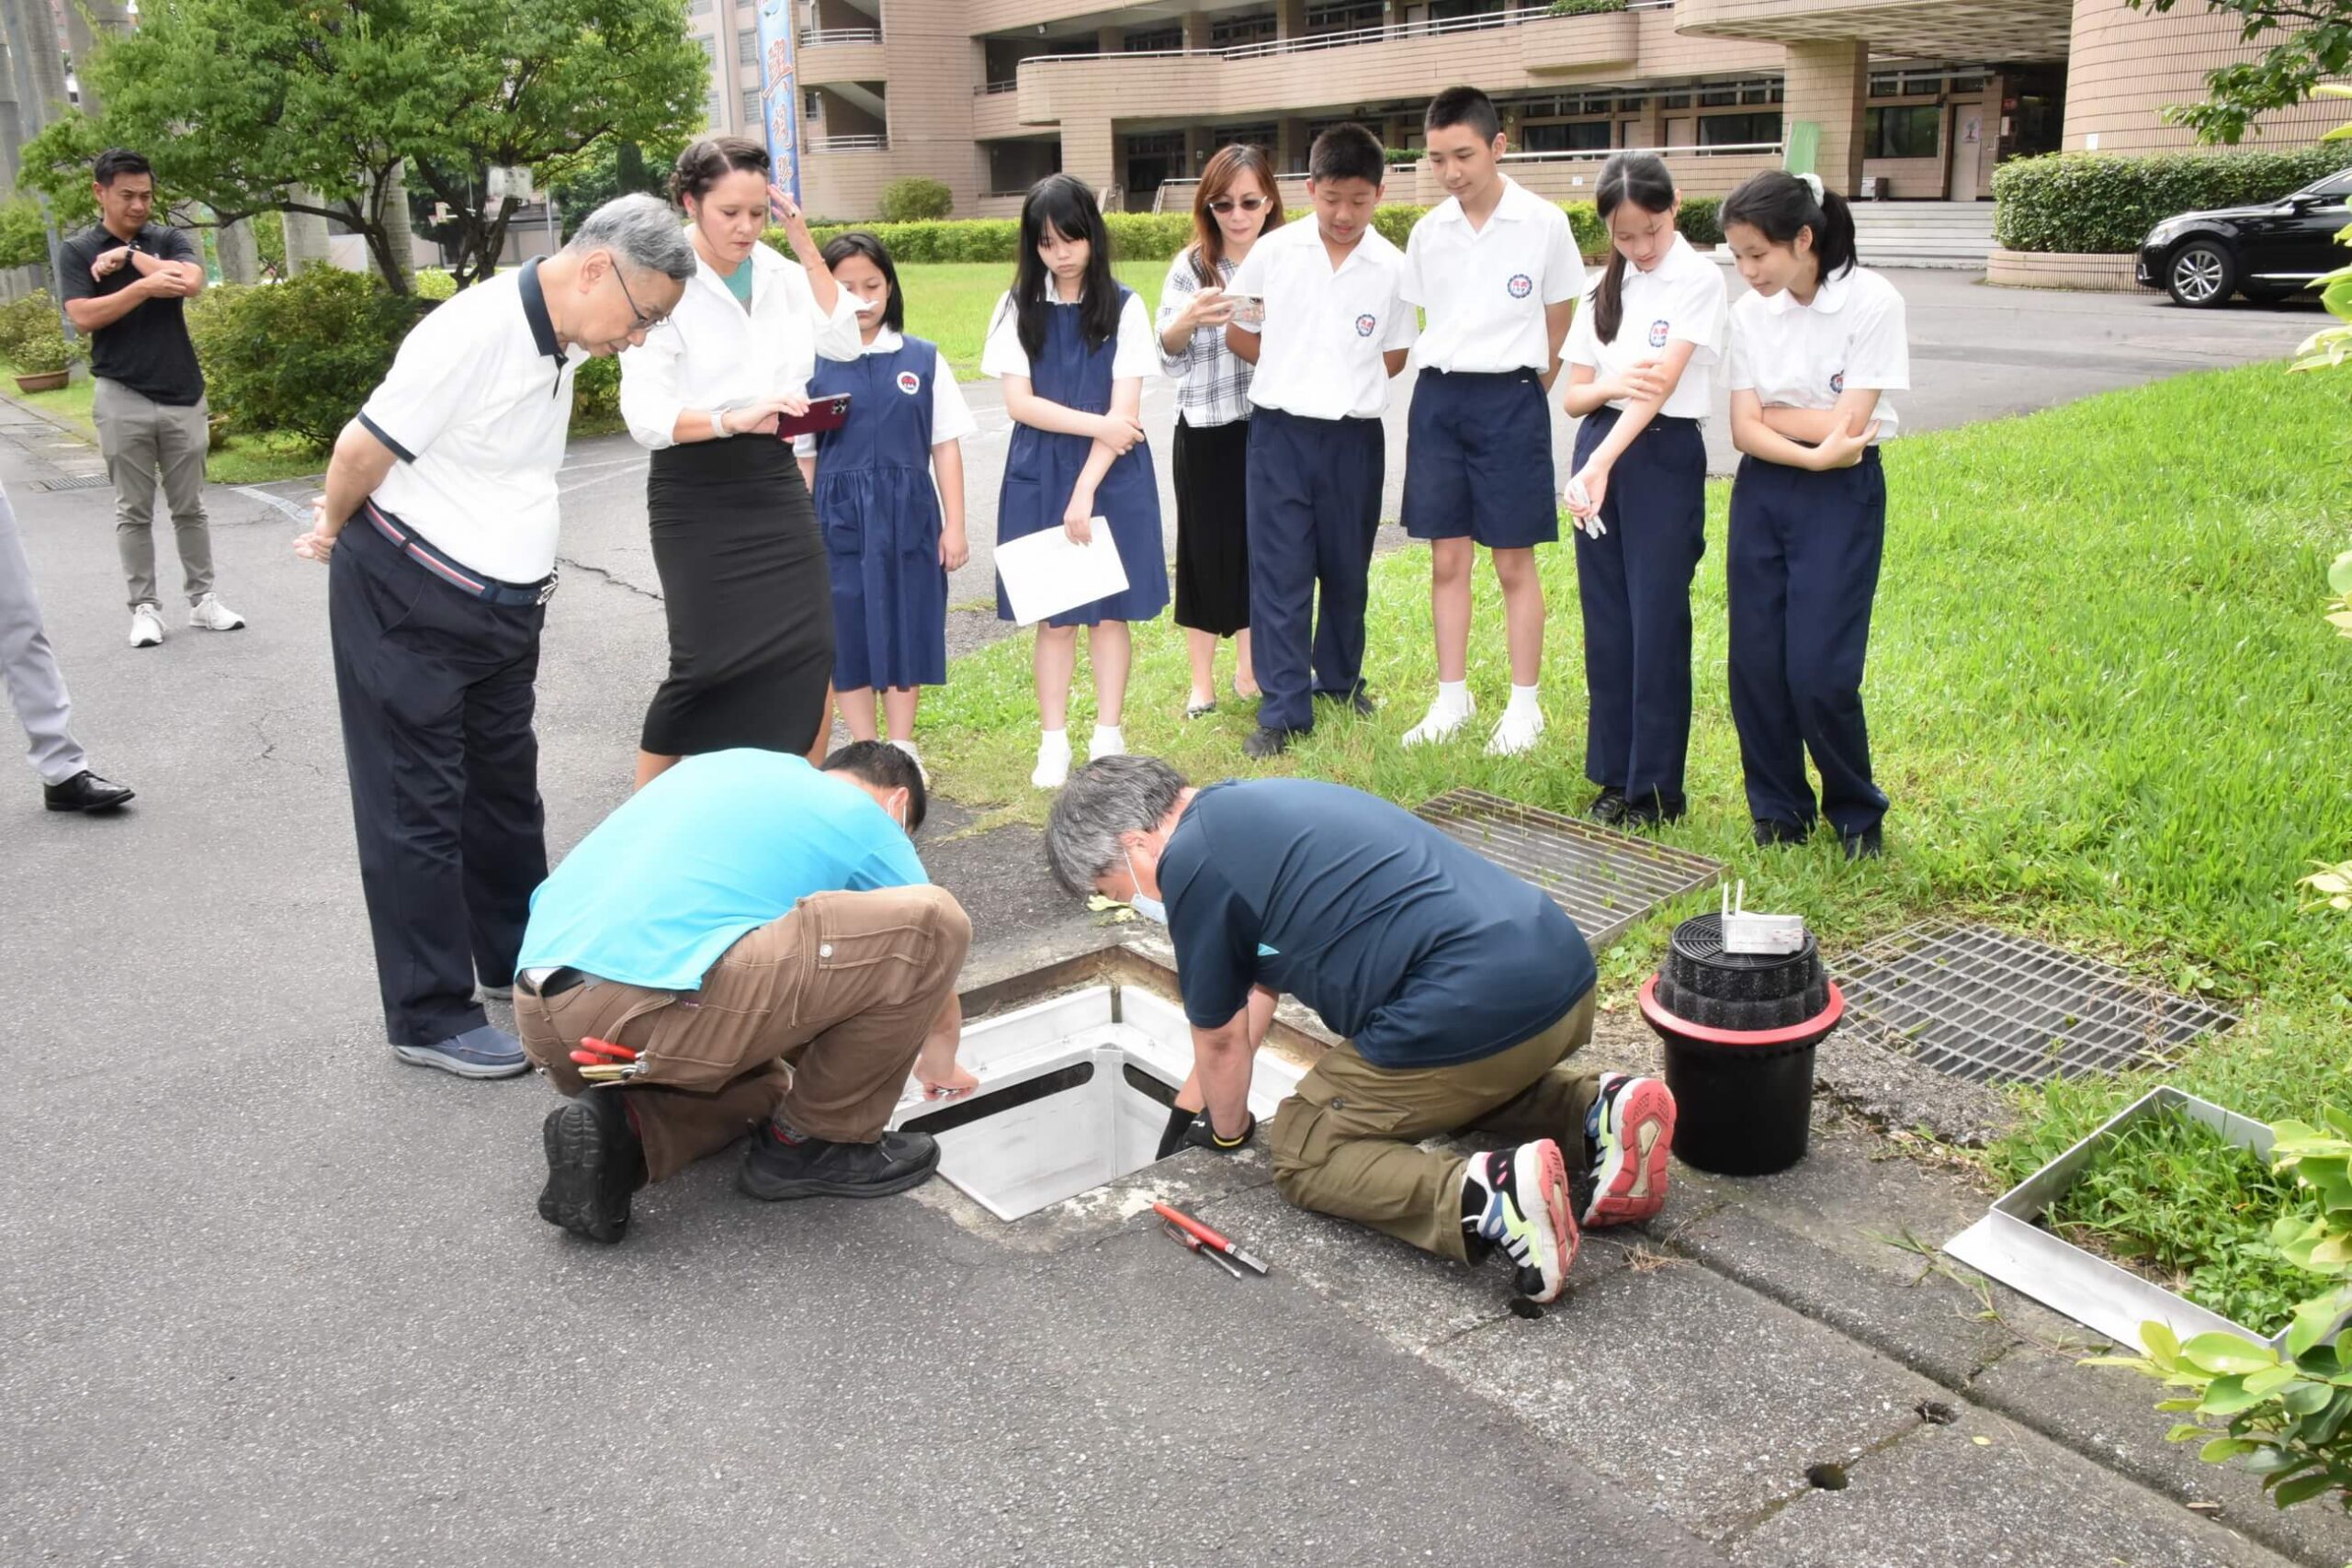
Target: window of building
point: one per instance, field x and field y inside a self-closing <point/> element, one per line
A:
<point x="1738" y="129"/>
<point x="699" y="8"/>
<point x="709" y="45"/>
<point x="1915" y="131"/>
<point x="755" y="112"/>
<point x="1232" y="32"/>
<point x="1153" y="40"/>
<point x="1577" y="136"/>
<point x="1261" y="136"/>
<point x="809" y="106"/>
<point x="1343" y="15"/>
<point x="710" y="111"/>
<point x="1460" y="10"/>
<point x="747" y="46"/>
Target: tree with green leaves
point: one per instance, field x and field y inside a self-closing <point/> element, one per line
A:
<point x="2306" y="42"/>
<point x="318" y="107"/>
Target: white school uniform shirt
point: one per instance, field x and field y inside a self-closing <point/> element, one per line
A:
<point x="1136" y="353"/>
<point x="1485" y="289"/>
<point x="713" y="354"/>
<point x="951" y="416"/>
<point x="476" y="407"/>
<point x="1681" y="299"/>
<point x="1804" y="356"/>
<point x="1319" y="351"/>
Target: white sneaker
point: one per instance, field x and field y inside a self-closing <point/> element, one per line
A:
<point x="1053" y="761"/>
<point x="146" y="625"/>
<point x="211" y="615"/>
<point x="1520" y="729"/>
<point x="1442" y="722"/>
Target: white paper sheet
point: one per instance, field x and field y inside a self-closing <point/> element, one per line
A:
<point x="1045" y="573"/>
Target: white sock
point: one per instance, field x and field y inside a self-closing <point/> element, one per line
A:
<point x="1108" y="743"/>
<point x="1053" y="760"/>
<point x="1522" y="699"/>
<point x="1454" y="695"/>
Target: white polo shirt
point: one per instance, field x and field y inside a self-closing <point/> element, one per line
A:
<point x="1485" y="289"/>
<point x="713" y="353"/>
<point x="1319" y="353"/>
<point x="1804" y="356"/>
<point x="476" y="408"/>
<point x="1681" y="299"/>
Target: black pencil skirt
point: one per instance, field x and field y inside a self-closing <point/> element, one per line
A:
<point x="1213" y="528"/>
<point x="749" y="602"/>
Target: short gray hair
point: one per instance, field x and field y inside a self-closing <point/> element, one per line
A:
<point x="1109" y="796"/>
<point x="642" y="232"/>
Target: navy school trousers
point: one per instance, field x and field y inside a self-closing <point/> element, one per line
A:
<point x="1314" y="507"/>
<point x="1635" y="585"/>
<point x="1803" y="562"/>
<point x="436" y="692"/>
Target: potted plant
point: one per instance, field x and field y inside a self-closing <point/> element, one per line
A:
<point x="41" y="359"/>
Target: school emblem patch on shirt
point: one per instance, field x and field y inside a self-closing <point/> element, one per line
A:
<point x="1837" y="382"/>
<point x="1364" y="325"/>
<point x="910" y="383"/>
<point x="1521" y="285"/>
<point x="1657" y="334"/>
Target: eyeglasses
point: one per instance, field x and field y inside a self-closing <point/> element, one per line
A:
<point x="638" y="321"/>
<point x="1225" y="203"/>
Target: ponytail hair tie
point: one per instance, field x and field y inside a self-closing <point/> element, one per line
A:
<point x="1813" y="183"/>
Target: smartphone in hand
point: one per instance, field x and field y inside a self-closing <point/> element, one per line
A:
<point x="824" y="413"/>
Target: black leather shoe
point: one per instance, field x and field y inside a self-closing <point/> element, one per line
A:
<point x="1359" y="700"/>
<point x="595" y="1162"/>
<point x="1608" y="807"/>
<point x="85" y="792"/>
<point x="816" y="1168"/>
<point x="1772" y="830"/>
<point x="1864" y="845"/>
<point x="1266" y="743"/>
<point x="1653" y="810"/>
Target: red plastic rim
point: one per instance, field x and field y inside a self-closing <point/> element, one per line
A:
<point x="1667" y="1022"/>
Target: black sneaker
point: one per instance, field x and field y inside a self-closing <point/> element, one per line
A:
<point x="595" y="1162"/>
<point x="1864" y="845"/>
<point x="1608" y="807"/>
<point x="1264" y="743"/>
<point x="814" y="1168"/>
<point x="1772" y="830"/>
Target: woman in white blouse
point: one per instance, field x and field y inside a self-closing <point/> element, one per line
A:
<point x="735" y="539"/>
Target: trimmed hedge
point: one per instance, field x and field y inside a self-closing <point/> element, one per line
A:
<point x="1585" y="7"/>
<point x="915" y="199"/>
<point x="2105" y="203"/>
<point x="1701" y="220"/>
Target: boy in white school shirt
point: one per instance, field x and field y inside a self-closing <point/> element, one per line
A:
<point x="1496" y="269"/>
<point x="1335" y="329"/>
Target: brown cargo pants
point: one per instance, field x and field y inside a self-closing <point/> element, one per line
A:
<point x="1346" y="1143"/>
<point x="818" y="1014"/>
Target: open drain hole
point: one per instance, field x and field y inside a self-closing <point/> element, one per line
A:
<point x="953" y="1116"/>
<point x="1825" y="1477"/>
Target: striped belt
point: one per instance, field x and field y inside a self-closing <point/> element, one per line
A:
<point x="464" y="579"/>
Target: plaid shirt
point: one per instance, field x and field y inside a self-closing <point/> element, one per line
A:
<point x="1212" y="386"/>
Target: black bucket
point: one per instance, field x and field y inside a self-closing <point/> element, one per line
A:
<point x="1739" y="1032"/>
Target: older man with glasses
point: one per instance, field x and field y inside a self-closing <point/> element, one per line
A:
<point x="439" y="528"/>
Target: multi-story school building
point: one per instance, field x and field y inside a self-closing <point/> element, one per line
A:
<point x="1923" y="97"/>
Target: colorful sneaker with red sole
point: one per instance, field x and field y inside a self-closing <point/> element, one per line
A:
<point x="1528" y="1213"/>
<point x="1631" y="1131"/>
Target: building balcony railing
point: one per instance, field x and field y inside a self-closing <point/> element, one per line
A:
<point x="875" y="143"/>
<point x="991" y="89"/>
<point x="1699" y="171"/>
<point x="821" y="38"/>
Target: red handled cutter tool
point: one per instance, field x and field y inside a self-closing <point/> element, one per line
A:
<point x="1216" y="1246"/>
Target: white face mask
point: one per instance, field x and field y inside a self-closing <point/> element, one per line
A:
<point x="1150" y="909"/>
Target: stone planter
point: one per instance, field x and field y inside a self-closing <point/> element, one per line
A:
<point x="46" y="381"/>
<point x="216" y="432"/>
<point x="2039" y="269"/>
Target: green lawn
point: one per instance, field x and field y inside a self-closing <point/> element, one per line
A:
<point x="949" y="302"/>
<point x="2101" y="696"/>
<point x="241" y="460"/>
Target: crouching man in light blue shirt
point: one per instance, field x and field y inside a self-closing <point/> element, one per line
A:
<point x="748" y="944"/>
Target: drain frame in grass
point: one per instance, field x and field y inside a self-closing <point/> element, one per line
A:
<point x="1074" y="1094"/>
<point x="2008" y="1245"/>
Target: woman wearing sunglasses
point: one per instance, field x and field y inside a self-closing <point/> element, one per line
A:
<point x="1235" y="203"/>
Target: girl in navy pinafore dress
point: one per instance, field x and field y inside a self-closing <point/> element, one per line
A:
<point x="1072" y="347"/>
<point x="890" y="538"/>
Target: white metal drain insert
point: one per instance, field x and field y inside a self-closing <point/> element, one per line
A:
<point x="1074" y="1093"/>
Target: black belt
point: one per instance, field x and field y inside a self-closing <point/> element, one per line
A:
<point x="562" y="980"/>
<point x="462" y="578"/>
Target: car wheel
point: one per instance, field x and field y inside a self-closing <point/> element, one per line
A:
<point x="2200" y="275"/>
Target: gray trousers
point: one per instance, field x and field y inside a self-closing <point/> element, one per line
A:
<point x="141" y="439"/>
<point x="35" y="688"/>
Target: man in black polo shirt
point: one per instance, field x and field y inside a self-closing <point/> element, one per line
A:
<point x="1459" y="990"/>
<point x="124" y="280"/>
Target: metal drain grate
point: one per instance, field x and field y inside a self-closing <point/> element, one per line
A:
<point x="78" y="481"/>
<point x="1980" y="1004"/>
<point x="1605" y="880"/>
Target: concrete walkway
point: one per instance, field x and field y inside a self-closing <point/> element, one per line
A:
<point x="272" y="1298"/>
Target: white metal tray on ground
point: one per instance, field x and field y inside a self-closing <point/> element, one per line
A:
<point x="2007" y="1245"/>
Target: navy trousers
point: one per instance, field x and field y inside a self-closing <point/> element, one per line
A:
<point x="1634" y="584"/>
<point x="1803" y="561"/>
<point x="1314" y="507"/>
<point x="435" y="693"/>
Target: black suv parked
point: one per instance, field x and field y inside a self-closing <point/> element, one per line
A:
<point x="2263" y="252"/>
